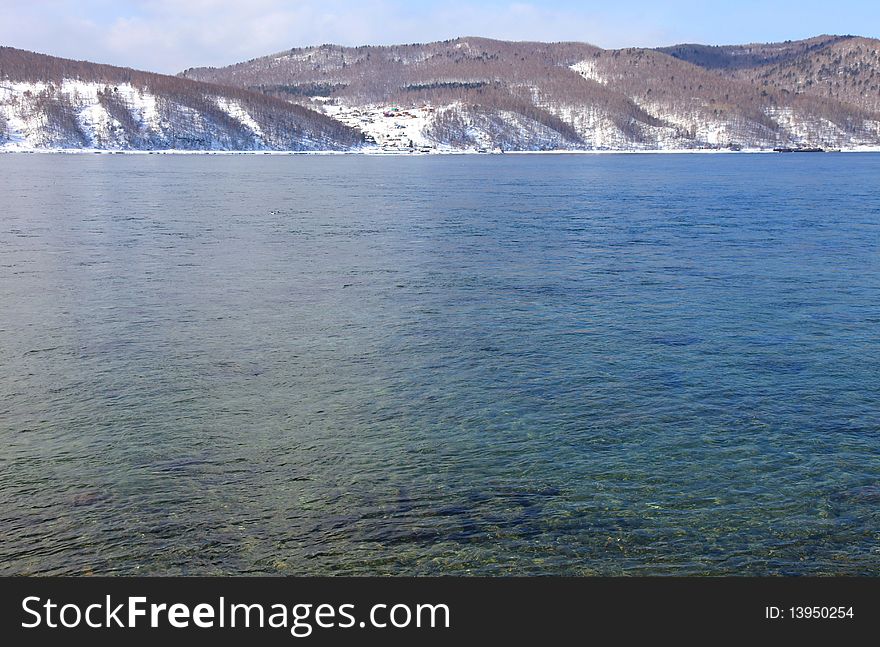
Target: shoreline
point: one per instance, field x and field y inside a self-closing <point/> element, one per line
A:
<point x="444" y="152"/>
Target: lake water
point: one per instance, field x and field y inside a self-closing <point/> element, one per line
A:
<point x="616" y="364"/>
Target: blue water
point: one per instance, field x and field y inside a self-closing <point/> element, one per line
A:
<point x="644" y="364"/>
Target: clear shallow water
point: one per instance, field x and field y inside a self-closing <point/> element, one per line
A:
<point x="472" y="365"/>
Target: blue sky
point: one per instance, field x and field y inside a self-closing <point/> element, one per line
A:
<point x="169" y="35"/>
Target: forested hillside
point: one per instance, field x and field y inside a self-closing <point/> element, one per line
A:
<point x="847" y="71"/>
<point x="48" y="102"/>
<point x="477" y="92"/>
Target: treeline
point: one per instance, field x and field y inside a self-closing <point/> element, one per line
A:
<point x="299" y="89"/>
<point x="737" y="57"/>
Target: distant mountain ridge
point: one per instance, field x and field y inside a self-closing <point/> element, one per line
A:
<point x="735" y="57"/>
<point x="465" y="94"/>
<point x="843" y="68"/>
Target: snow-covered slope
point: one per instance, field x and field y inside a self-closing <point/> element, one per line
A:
<point x="52" y="103"/>
<point x="449" y="128"/>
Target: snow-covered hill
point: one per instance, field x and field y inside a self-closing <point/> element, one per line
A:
<point x="48" y="103"/>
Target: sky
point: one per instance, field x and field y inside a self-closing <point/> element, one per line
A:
<point x="171" y="35"/>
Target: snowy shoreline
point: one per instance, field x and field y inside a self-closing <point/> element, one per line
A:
<point x="377" y="152"/>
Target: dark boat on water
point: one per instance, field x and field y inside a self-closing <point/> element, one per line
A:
<point x="798" y="150"/>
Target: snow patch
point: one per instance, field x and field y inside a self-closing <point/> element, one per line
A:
<point x="392" y="128"/>
<point x="234" y="110"/>
<point x="589" y="70"/>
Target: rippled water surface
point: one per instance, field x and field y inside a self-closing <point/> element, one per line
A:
<point x="652" y="364"/>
